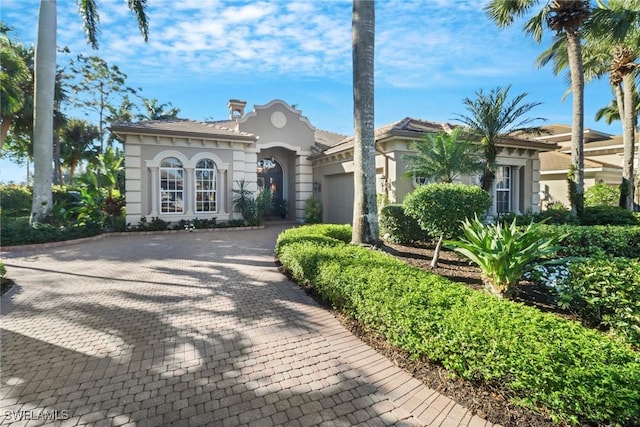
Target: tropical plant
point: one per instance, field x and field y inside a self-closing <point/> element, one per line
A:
<point x="14" y="79"/>
<point x="504" y="252"/>
<point x="442" y="156"/>
<point x="564" y="17"/>
<point x="243" y="200"/>
<point x="77" y="144"/>
<point x="45" y="80"/>
<point x="264" y="203"/>
<point x="155" y="111"/>
<point x="441" y="208"/>
<point x="493" y="115"/>
<point x="365" y="211"/>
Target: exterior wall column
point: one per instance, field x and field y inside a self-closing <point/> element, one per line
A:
<point x="221" y="191"/>
<point x="515" y="186"/>
<point x="535" y="186"/>
<point x="304" y="185"/>
<point x="154" y="184"/>
<point x="188" y="191"/>
<point x="133" y="183"/>
<point x="493" y="209"/>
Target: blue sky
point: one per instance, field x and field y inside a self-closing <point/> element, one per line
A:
<point x="430" y="55"/>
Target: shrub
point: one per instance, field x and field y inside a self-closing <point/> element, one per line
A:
<point x="605" y="293"/>
<point x="3" y="272"/>
<point x="441" y="208"/>
<point x="156" y="224"/>
<point x="558" y="366"/>
<point x="312" y="211"/>
<point x="16" y="233"/>
<point x="503" y="253"/>
<point x="602" y="194"/>
<point x="398" y="227"/>
<point x="599" y="240"/>
<point x="15" y="200"/>
<point x="556" y="213"/>
<point x="607" y="215"/>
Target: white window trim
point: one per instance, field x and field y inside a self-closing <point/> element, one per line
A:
<point x="215" y="180"/>
<point x="181" y="192"/>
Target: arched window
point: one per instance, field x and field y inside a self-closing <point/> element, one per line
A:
<point x="206" y="186"/>
<point x="171" y="186"/>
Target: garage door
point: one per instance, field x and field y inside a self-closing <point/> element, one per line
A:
<point x="339" y="205"/>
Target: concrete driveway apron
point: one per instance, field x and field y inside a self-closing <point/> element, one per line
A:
<point x="189" y="329"/>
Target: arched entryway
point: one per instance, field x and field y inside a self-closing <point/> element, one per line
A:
<point x="271" y="177"/>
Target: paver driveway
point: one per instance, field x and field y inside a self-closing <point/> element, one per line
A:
<point x="189" y="329"/>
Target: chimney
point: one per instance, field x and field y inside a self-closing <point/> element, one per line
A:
<point x="236" y="109"/>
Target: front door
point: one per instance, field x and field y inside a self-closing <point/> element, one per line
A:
<point x="270" y="177"/>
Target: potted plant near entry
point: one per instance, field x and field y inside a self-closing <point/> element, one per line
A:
<point x="283" y="208"/>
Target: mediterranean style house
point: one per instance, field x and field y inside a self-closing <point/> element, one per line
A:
<point x="602" y="163"/>
<point x="184" y="169"/>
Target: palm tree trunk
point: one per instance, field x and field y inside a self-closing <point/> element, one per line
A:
<point x="574" y="51"/>
<point x="45" y="80"/>
<point x="628" y="137"/>
<point x="365" y="210"/>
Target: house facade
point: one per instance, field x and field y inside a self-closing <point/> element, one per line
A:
<point x="603" y="160"/>
<point x="184" y="169"/>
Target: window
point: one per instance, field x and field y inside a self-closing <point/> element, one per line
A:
<point x="206" y="186"/>
<point x="171" y="186"/>
<point x="419" y="180"/>
<point x="503" y="190"/>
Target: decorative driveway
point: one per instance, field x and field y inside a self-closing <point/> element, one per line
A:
<point x="189" y="329"/>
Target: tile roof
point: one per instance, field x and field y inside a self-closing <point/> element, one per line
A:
<point x="183" y="127"/>
<point x="557" y="161"/>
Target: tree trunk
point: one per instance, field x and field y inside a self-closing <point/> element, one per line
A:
<point x="628" y="136"/>
<point x="45" y="81"/>
<point x="574" y="51"/>
<point x="365" y="210"/>
<point x="436" y="252"/>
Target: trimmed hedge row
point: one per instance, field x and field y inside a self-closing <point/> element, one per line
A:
<point x="598" y="240"/>
<point x="576" y="374"/>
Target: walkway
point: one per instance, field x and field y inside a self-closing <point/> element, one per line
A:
<point x="189" y="329"/>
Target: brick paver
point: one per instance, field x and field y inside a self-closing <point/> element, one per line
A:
<point x="189" y="329"/>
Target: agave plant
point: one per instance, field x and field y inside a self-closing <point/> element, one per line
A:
<point x="504" y="252"/>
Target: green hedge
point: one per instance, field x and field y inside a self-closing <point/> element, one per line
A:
<point x="605" y="293"/>
<point x="576" y="374"/>
<point x="398" y="227"/>
<point x="15" y="200"/>
<point x="598" y="240"/>
<point x="20" y="233"/>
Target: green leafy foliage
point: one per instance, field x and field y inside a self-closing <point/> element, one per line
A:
<point x="15" y="233"/>
<point x="556" y="213"/>
<point x="441" y="208"/>
<point x="3" y="272"/>
<point x="504" y="252"/>
<point x="244" y="202"/>
<point x="602" y="194"/>
<point x="398" y="227"/>
<point x="15" y="200"/>
<point x="156" y="224"/>
<point x="312" y="211"/>
<point x="605" y="293"/>
<point x="607" y="215"/>
<point x="597" y="241"/>
<point x="558" y="366"/>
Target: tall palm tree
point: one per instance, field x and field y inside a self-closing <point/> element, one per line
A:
<point x="365" y="211"/>
<point x="442" y="157"/>
<point x="45" y="78"/>
<point x="617" y="26"/>
<point x="564" y="17"/>
<point x="494" y="115"/>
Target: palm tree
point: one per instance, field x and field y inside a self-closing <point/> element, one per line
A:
<point x="15" y="78"/>
<point x="156" y="111"/>
<point x="564" y="17"/>
<point x="617" y="26"/>
<point x="493" y="115"/>
<point x="365" y="211"/>
<point x="442" y="157"/>
<point x="77" y="144"/>
<point x="611" y="47"/>
<point x="45" y="78"/>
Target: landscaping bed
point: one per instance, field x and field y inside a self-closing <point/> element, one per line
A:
<point x="520" y="366"/>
